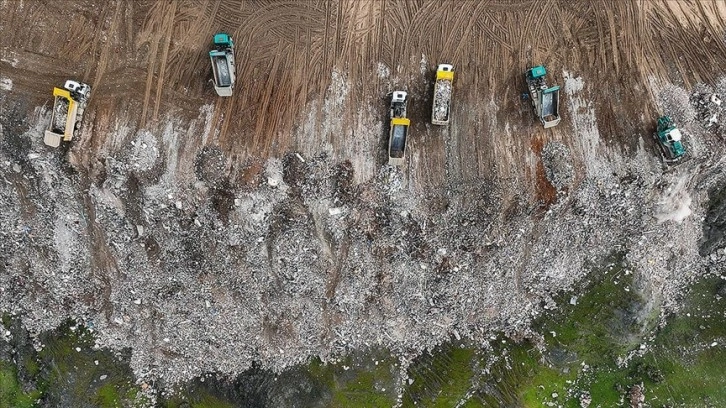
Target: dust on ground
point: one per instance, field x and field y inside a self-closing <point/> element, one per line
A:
<point x="207" y="233"/>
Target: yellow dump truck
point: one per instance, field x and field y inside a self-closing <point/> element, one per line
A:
<point x="68" y="107"/>
<point x="399" y="128"/>
<point x="441" y="109"/>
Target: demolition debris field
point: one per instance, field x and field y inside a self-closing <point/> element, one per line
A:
<point x="206" y="233"/>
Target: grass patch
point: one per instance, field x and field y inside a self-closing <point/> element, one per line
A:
<point x="358" y="381"/>
<point x="602" y="325"/>
<point x="11" y="394"/>
<point x="686" y="364"/>
<point x="441" y="379"/>
<point x="71" y="370"/>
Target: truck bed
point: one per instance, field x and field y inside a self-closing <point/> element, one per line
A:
<point x="442" y="102"/>
<point x="549" y="105"/>
<point x="398" y="141"/>
<point x="60" y="115"/>
<point x="221" y="71"/>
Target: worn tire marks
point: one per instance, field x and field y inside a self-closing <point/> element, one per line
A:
<point x="159" y="21"/>
<point x="110" y="44"/>
<point x="167" y="28"/>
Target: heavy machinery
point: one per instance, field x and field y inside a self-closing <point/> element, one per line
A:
<point x="545" y="100"/>
<point x="399" y="128"/>
<point x="669" y="137"/>
<point x="68" y="107"/>
<point x="441" y="108"/>
<point x="222" y="57"/>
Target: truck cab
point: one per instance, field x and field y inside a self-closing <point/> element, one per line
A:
<point x="398" y="128"/>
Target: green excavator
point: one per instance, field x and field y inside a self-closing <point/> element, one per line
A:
<point x="669" y="138"/>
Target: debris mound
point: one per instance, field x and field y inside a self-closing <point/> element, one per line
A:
<point x="558" y="165"/>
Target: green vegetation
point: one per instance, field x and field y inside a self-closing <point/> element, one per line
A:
<point x="198" y="401"/>
<point x="366" y="379"/>
<point x="441" y="379"/>
<point x="11" y="394"/>
<point x="583" y="342"/>
<point x="67" y="369"/>
<point x="72" y="367"/>
<point x="367" y="385"/>
<point x="688" y="359"/>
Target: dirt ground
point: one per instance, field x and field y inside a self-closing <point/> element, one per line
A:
<point x="305" y="135"/>
<point x="306" y="67"/>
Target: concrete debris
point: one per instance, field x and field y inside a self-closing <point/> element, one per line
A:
<point x="585" y="399"/>
<point x="558" y="165"/>
<point x="709" y="108"/>
<point x="636" y="396"/>
<point x="442" y="99"/>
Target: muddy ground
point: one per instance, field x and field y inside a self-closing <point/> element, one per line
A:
<point x="207" y="233"/>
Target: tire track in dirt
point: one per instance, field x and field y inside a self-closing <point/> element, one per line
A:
<point x="419" y="22"/>
<point x="167" y="28"/>
<point x="229" y="102"/>
<point x="154" y="34"/>
<point x="97" y="37"/>
<point x="110" y="43"/>
<point x="715" y="36"/>
<point x="326" y="35"/>
<point x="492" y="28"/>
<point x="539" y="22"/>
<point x="339" y="27"/>
<point x="614" y="51"/>
<point x="525" y="30"/>
<point x="264" y="119"/>
<point x="265" y="39"/>
<point x="649" y="67"/>
<point x="466" y="36"/>
<point x="378" y="46"/>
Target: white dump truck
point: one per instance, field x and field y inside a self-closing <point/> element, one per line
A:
<point x="545" y="100"/>
<point x="441" y="109"/>
<point x="398" y="128"/>
<point x="222" y="58"/>
<point x="68" y="107"/>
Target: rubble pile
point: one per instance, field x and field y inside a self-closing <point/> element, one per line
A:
<point x="197" y="273"/>
<point x="442" y="99"/>
<point x="558" y="165"/>
<point x="675" y="102"/>
<point x="60" y="117"/>
<point x="710" y="108"/>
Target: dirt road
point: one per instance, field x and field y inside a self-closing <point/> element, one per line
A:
<point x="312" y="80"/>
